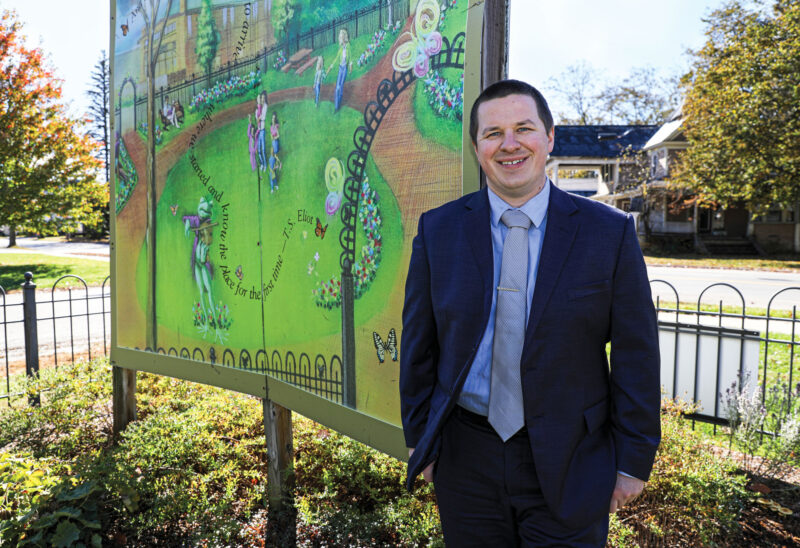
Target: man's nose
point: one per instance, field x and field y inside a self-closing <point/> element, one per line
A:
<point x="510" y="140"/>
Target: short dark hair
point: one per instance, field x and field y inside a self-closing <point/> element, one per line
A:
<point x="504" y="88"/>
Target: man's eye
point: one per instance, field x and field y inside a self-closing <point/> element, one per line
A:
<point x="524" y="129"/>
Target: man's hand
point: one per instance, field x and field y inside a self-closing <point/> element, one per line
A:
<point x="626" y="490"/>
<point x="427" y="473"/>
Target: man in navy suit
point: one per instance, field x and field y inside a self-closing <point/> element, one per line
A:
<point x="588" y="430"/>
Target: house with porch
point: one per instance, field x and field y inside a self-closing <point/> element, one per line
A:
<point x="597" y="160"/>
<point x="664" y="212"/>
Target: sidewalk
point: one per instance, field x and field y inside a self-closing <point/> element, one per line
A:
<point x="57" y="246"/>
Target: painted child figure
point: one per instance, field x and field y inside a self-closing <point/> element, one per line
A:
<point x="274" y="166"/>
<point x="343" y="58"/>
<point x="274" y="132"/>
<point x="262" y="104"/>
<point x="318" y="76"/>
<point x="251" y="142"/>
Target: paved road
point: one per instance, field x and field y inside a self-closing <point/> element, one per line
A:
<point x="90" y="323"/>
<point x="58" y="247"/>
<point x="757" y="287"/>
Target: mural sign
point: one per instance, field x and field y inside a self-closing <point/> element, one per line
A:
<point x="271" y="161"/>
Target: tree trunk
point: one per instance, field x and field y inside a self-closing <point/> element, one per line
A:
<point x="12" y="236"/>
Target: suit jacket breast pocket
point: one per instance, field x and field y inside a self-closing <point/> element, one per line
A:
<point x="586" y="291"/>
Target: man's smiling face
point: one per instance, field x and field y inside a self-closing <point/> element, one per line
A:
<point x="512" y="147"/>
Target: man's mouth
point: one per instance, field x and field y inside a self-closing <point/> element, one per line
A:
<point x="512" y="162"/>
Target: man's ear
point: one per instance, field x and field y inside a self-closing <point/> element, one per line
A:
<point x="551" y="138"/>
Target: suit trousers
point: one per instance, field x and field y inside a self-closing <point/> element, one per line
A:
<point x="489" y="494"/>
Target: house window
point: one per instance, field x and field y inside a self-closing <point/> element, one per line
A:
<point x="653" y="165"/>
<point x="189" y="25"/>
<point x="224" y="17"/>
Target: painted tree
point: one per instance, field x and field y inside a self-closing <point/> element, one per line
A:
<point x="742" y="108"/>
<point x="207" y="38"/>
<point x="48" y="172"/>
<point x="151" y="10"/>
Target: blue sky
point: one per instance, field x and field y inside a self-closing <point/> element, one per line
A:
<point x="614" y="36"/>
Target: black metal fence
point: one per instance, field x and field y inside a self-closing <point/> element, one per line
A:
<point x="708" y="349"/>
<point x="72" y="322"/>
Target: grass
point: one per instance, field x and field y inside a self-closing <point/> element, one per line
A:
<point x="777" y="263"/>
<point x="47" y="269"/>
<point x="191" y="471"/>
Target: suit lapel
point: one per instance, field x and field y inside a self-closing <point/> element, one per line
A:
<point x="479" y="236"/>
<point x="559" y="235"/>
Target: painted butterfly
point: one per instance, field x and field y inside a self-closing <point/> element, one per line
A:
<point x="124" y="28"/>
<point x="239" y="272"/>
<point x="174" y="209"/>
<point x="320" y="230"/>
<point x="390" y="345"/>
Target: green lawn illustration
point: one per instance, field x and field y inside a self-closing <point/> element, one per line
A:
<point x="294" y="255"/>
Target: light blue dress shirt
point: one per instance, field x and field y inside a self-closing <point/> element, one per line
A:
<point x="475" y="393"/>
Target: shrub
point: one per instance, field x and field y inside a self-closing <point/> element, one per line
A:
<point x="768" y="433"/>
<point x="693" y="497"/>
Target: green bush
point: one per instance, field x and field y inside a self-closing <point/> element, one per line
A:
<point x="192" y="471"/>
<point x="693" y="498"/>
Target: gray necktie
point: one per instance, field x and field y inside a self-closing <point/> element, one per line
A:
<point x="505" y="396"/>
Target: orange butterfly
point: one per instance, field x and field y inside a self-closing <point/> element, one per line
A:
<point x="174" y="209"/>
<point x="124" y="28"/>
<point x="320" y="230"/>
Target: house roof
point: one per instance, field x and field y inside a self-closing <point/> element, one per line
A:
<point x="599" y="141"/>
<point x="668" y="132"/>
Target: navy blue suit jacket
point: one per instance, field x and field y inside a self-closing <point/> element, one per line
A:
<point x="584" y="420"/>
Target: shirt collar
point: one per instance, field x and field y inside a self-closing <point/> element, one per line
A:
<point x="535" y="208"/>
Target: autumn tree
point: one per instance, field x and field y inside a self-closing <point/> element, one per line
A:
<point x="48" y="174"/>
<point x="742" y="109"/>
<point x="207" y="38"/>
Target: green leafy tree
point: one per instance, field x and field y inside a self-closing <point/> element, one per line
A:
<point x="98" y="108"/>
<point x="742" y="109"/>
<point x="99" y="124"/>
<point x="48" y="172"/>
<point x="207" y="38"/>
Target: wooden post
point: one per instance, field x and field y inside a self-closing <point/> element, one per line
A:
<point x="280" y="455"/>
<point x="124" y="398"/>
